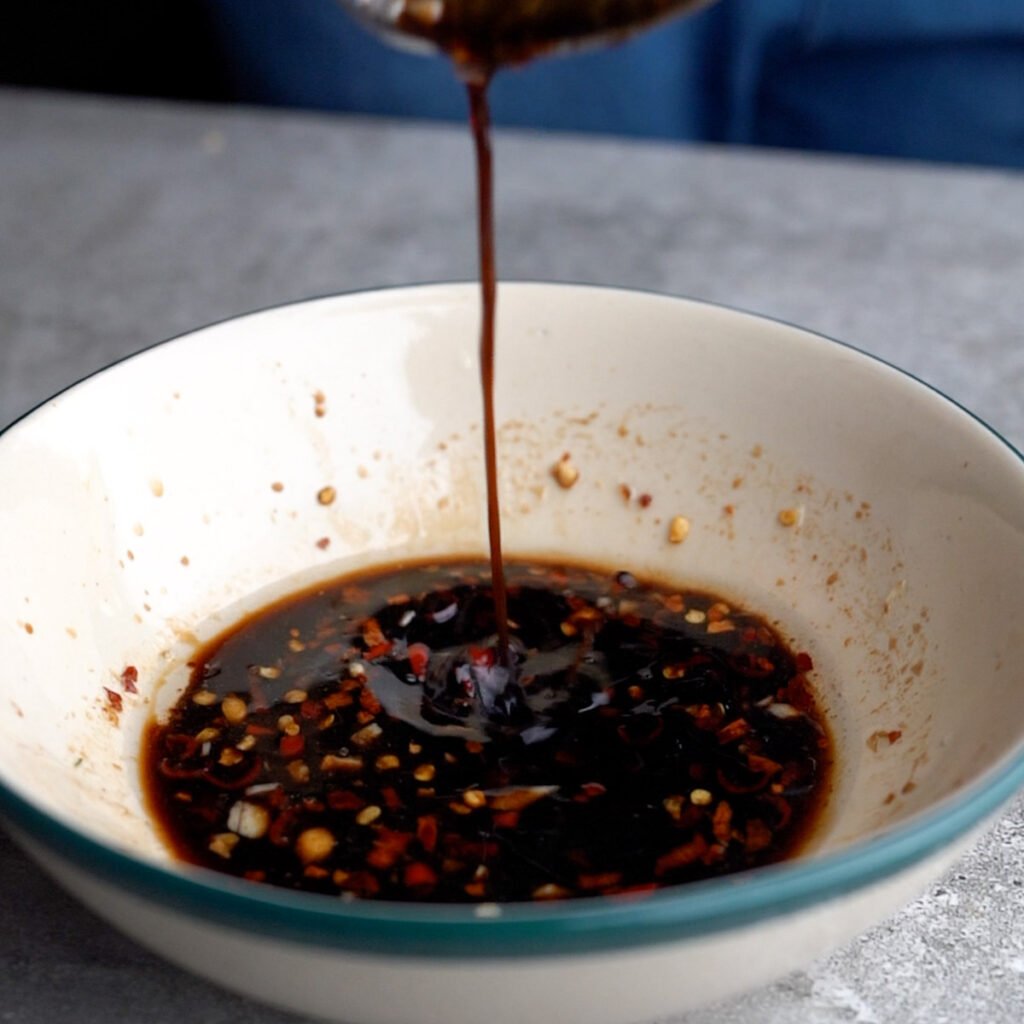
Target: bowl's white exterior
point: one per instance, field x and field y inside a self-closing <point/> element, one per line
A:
<point x="617" y="987"/>
<point x="626" y="985"/>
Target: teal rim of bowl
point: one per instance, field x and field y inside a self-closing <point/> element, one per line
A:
<point x="571" y="927"/>
<point x="578" y="926"/>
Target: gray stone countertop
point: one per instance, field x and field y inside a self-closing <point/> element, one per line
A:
<point x="123" y="223"/>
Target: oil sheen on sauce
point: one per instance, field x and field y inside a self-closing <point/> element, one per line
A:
<point x="363" y="740"/>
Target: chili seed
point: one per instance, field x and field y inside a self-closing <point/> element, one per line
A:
<point x="314" y="845"/>
<point x="550" y="891"/>
<point x="678" y="529"/>
<point x="234" y="709"/>
<point x="223" y="843"/>
<point x="365" y="736"/>
<point x="565" y="472"/>
<point x="368" y="815"/>
<point x="348" y="763"/>
<point x="674" y="805"/>
<point x="790" y="516"/>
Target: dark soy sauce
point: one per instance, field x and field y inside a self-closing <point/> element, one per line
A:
<point x="362" y="740"/>
<point x="481" y="36"/>
<point x="479" y="116"/>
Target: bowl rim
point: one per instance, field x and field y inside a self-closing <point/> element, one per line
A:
<point x="578" y="926"/>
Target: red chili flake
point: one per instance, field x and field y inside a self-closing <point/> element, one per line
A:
<point x="388" y="848"/>
<point x="129" y="677"/>
<point x="391" y="798"/>
<point x="469" y="849"/>
<point x="337" y="700"/>
<point x="716" y="852"/>
<point x="733" y="731"/>
<point x="114" y="699"/>
<point x="310" y="709"/>
<point x="419" y="875"/>
<point x="599" y="880"/>
<point x="721" y="822"/>
<point x="247" y="778"/>
<point x="291" y="746"/>
<point x="259" y="730"/>
<point x="759" y="836"/>
<point x="482" y="657"/>
<point x="175" y="771"/>
<point x="362" y="883"/>
<point x="373" y="635"/>
<point x="782" y="807"/>
<point x="280" y="826"/>
<point x="763" y="765"/>
<point x="506" y="819"/>
<point x="378" y="650"/>
<point x="803" y="662"/>
<point x="345" y="800"/>
<point x="255" y="876"/>
<point x="637" y="891"/>
<point x="419" y="658"/>
<point x="368" y="702"/>
<point x="681" y="856"/>
<point x="644" y="500"/>
<point x="426" y="832"/>
<point x="323" y="543"/>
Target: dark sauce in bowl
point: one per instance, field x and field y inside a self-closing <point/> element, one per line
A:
<point x="363" y="739"/>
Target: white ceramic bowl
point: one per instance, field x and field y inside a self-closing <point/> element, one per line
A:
<point x="137" y="515"/>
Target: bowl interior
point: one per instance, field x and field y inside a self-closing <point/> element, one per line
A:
<point x="151" y="505"/>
